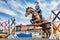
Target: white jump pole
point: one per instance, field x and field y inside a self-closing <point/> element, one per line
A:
<point x="52" y="36"/>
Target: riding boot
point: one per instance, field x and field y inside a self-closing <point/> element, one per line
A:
<point x="40" y="16"/>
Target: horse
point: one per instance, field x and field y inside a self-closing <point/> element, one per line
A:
<point x="37" y="20"/>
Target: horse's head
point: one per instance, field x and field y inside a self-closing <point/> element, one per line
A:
<point x="28" y="11"/>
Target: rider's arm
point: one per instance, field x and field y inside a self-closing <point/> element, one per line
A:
<point x="37" y="7"/>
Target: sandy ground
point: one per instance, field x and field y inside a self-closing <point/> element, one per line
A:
<point x="29" y="39"/>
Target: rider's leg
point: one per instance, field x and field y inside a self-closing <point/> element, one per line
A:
<point x="40" y="14"/>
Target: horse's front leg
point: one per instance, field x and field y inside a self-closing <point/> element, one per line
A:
<point x="32" y="21"/>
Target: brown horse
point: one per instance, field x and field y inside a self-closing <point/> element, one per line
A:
<point x="37" y="20"/>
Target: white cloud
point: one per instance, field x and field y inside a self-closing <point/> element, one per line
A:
<point x="9" y="12"/>
<point x="3" y="4"/>
<point x="4" y="8"/>
<point x="41" y="0"/>
<point x="15" y="6"/>
<point x="30" y="5"/>
<point x="54" y="5"/>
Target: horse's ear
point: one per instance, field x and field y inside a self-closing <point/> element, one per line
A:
<point x="28" y="8"/>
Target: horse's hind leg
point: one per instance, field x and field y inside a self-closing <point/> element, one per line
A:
<point x="49" y="32"/>
<point x="44" y="34"/>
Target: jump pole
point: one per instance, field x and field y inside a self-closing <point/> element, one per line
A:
<point x="52" y="36"/>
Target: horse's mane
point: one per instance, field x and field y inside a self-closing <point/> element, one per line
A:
<point x="28" y="8"/>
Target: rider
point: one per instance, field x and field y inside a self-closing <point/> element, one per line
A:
<point x="38" y="10"/>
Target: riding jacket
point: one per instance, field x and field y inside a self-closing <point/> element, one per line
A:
<point x="38" y="10"/>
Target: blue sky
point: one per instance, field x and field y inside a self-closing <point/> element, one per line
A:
<point x="16" y="8"/>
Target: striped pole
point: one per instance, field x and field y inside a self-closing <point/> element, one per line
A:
<point x="8" y="27"/>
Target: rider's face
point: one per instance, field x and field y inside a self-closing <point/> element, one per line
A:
<point x="37" y="3"/>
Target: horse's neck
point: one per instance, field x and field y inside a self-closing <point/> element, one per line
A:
<point x="34" y="13"/>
